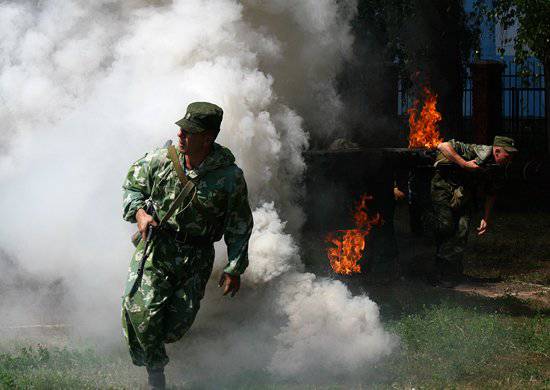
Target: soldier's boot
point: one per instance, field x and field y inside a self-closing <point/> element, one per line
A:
<point x="452" y="276"/>
<point x="449" y="283"/>
<point x="157" y="381"/>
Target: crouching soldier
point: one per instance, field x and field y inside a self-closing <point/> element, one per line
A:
<point x="461" y="169"/>
<point x="198" y="194"/>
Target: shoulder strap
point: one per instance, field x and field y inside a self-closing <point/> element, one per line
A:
<point x="173" y="156"/>
<point x="189" y="188"/>
<point x="188" y="185"/>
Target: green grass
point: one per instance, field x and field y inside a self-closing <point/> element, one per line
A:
<point x="523" y="254"/>
<point x="41" y="367"/>
<point x="446" y="346"/>
<point x="442" y="346"/>
<point x="516" y="247"/>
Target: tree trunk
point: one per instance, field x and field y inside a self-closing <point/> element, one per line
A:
<point x="368" y="87"/>
<point x="547" y="101"/>
<point x="432" y="38"/>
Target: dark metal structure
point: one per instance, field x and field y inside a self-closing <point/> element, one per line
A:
<point x="335" y="182"/>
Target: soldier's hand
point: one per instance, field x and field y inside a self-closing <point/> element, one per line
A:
<point x="482" y="227"/>
<point x="398" y="195"/>
<point x="470" y="166"/>
<point x="230" y="283"/>
<point x="143" y="221"/>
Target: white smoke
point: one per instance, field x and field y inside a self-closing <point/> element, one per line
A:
<point x="273" y="251"/>
<point x="89" y="87"/>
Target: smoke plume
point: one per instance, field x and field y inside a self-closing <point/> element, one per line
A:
<point x="89" y="87"/>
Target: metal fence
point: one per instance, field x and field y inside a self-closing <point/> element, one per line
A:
<point x="405" y="100"/>
<point x="523" y="104"/>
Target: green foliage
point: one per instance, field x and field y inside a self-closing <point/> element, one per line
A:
<point x="393" y="25"/>
<point x="381" y="21"/>
<point x="533" y="17"/>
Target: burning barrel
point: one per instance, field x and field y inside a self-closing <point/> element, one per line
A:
<point x="350" y="206"/>
<point x="350" y="202"/>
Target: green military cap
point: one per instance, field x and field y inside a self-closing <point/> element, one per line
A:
<point x="505" y="142"/>
<point x="201" y="116"/>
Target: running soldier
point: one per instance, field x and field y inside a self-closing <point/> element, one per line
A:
<point x="198" y="195"/>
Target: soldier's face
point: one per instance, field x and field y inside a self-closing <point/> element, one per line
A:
<point x="192" y="143"/>
<point x="502" y="157"/>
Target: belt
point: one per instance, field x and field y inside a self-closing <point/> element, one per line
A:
<point x="184" y="238"/>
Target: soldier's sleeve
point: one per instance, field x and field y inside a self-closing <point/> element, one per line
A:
<point x="238" y="227"/>
<point x="137" y="187"/>
<point x="466" y="151"/>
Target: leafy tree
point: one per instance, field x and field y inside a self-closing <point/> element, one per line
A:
<point x="437" y="38"/>
<point x="369" y="84"/>
<point x="533" y="33"/>
<point x="533" y="18"/>
<point x="425" y="42"/>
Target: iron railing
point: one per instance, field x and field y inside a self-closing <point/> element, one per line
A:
<point x="523" y="104"/>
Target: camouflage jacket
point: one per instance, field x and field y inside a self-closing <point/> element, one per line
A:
<point x="222" y="195"/>
<point x="492" y="179"/>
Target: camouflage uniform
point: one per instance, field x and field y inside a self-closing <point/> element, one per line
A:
<point x="452" y="193"/>
<point x="162" y="307"/>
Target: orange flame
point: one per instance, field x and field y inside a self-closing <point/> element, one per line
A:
<point x="424" y="126"/>
<point x="348" y="250"/>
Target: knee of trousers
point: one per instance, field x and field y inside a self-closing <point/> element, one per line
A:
<point x="177" y="324"/>
<point x="443" y="227"/>
<point x="174" y="332"/>
<point x="451" y="252"/>
<point x="439" y="220"/>
<point x="146" y="325"/>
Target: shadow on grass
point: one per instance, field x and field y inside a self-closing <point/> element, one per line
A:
<point x="409" y="297"/>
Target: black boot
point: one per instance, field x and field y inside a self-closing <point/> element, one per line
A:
<point x="157" y="381"/>
<point x="451" y="279"/>
<point x="449" y="282"/>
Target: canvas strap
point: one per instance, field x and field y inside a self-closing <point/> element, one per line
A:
<point x="188" y="186"/>
<point x="185" y="182"/>
<point x="173" y="156"/>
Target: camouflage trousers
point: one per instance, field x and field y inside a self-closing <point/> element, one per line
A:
<point x="450" y="221"/>
<point x="164" y="305"/>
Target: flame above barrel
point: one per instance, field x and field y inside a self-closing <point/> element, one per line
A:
<point x="348" y="246"/>
<point x="423" y="124"/>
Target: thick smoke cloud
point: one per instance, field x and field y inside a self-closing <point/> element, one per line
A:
<point x="89" y="87"/>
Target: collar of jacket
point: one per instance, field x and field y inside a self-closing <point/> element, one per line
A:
<point x="219" y="157"/>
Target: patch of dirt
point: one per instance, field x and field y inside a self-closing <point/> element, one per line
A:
<point x="534" y="294"/>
